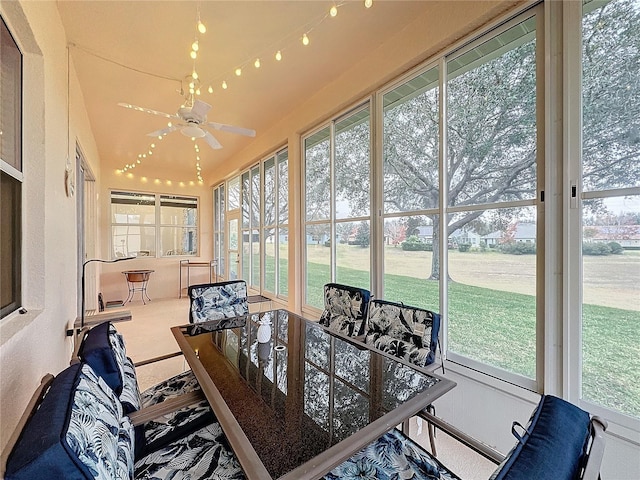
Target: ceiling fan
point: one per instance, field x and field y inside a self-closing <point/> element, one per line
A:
<point x="191" y="120"/>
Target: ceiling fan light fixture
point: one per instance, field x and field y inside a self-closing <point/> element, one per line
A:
<point x="193" y="131"/>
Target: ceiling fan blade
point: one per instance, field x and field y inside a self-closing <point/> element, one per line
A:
<point x="147" y="110"/>
<point x="230" y="128"/>
<point x="211" y="140"/>
<point x="200" y="108"/>
<point x="164" y="131"/>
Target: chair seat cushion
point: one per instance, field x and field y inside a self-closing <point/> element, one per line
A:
<point x="183" y="382"/>
<point x="552" y="446"/>
<point x="162" y="430"/>
<point x="393" y="456"/>
<point x="203" y="454"/>
<point x="175" y="425"/>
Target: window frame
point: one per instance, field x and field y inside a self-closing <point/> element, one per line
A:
<point x="572" y="262"/>
<point x="14" y="174"/>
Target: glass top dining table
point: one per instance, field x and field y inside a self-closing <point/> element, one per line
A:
<point x="303" y="399"/>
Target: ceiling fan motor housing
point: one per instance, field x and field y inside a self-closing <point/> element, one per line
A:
<point x="190" y="117"/>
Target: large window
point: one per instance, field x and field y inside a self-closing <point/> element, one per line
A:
<point x="411" y="191"/>
<point x="611" y="205"/>
<point x="251" y="227"/>
<point x="275" y="223"/>
<point x="338" y="204"/>
<point x="459" y="216"/>
<point x="262" y="192"/>
<point x="491" y="212"/>
<point x="144" y="224"/>
<point x="10" y="172"/>
<point x="219" y="246"/>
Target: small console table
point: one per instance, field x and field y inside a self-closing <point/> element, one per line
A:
<point x="137" y="276"/>
<point x="188" y="264"/>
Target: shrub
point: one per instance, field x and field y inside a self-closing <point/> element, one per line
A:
<point x="414" y="244"/>
<point x="518" y="248"/>
<point x="616" y="248"/>
<point x="464" y="247"/>
<point x="595" y="248"/>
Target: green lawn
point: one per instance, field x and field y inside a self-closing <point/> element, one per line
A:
<point x="498" y="328"/>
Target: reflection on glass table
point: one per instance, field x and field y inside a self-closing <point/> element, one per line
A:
<point x="298" y="404"/>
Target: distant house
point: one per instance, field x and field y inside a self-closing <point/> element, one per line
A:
<point x="628" y="236"/>
<point x="524" y="232"/>
<point x="460" y="236"/>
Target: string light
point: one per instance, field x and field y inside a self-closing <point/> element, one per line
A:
<point x="238" y="72"/>
<point x="368" y="3"/>
<point x="334" y="11"/>
<point x="201" y="27"/>
<point x="278" y="55"/>
<point x="224" y="85"/>
<point x="193" y="54"/>
<point x="257" y="63"/>
<point x="210" y="90"/>
<point x="305" y="40"/>
<point x="195" y="46"/>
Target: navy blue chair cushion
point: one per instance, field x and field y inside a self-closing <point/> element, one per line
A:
<point x="552" y="446"/>
<point x="78" y="432"/>
<point x="96" y="350"/>
<point x="40" y="453"/>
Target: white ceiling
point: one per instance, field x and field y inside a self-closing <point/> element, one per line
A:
<point x="128" y="51"/>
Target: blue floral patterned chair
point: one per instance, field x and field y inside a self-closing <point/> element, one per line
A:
<point x="345" y="309"/>
<point x="404" y="331"/>
<point x="79" y="430"/>
<point x="184" y="408"/>
<point x="213" y="301"/>
<point x="560" y="442"/>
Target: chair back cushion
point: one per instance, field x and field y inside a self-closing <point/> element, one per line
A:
<point x="407" y="332"/>
<point x="345" y="309"/>
<point x="213" y="301"/>
<point x="104" y="350"/>
<point x="78" y="432"/>
<point x="553" y="445"/>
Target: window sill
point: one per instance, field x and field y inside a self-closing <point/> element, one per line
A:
<point x="14" y="322"/>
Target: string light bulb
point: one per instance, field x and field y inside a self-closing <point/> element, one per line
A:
<point x="257" y="63"/>
<point x="368" y="3"/>
<point x="210" y="90"/>
<point x="305" y="39"/>
<point x="278" y="55"/>
<point x="238" y="72"/>
<point x="193" y="54"/>
<point x="198" y="91"/>
<point x="194" y="75"/>
<point x="201" y="27"/>
<point x="224" y="85"/>
<point x="334" y="11"/>
<point x="195" y="46"/>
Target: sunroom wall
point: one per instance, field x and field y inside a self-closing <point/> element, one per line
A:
<point x="34" y="343"/>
